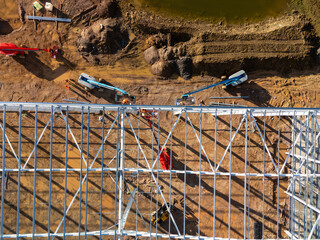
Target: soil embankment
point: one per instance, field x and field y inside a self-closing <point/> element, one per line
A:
<point x="281" y="44"/>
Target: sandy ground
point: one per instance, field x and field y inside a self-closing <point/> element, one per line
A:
<point x="40" y="74"/>
<point x="147" y="198"/>
<point x="38" y="78"/>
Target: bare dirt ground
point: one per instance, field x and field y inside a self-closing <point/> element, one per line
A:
<point x="265" y="200"/>
<point x="284" y="46"/>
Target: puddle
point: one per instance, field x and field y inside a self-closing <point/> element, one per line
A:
<point x="232" y="11"/>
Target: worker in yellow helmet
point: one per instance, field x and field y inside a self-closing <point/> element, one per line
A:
<point x="125" y="101"/>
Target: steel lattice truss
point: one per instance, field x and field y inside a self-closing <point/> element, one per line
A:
<point x="93" y="171"/>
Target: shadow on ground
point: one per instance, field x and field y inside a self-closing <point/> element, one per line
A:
<point x="258" y="95"/>
<point x="5" y="27"/>
<point x="34" y="65"/>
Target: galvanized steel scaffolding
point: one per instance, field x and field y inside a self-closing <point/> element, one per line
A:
<point x="237" y="173"/>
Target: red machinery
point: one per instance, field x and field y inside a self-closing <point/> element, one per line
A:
<point x="165" y="159"/>
<point x="10" y="49"/>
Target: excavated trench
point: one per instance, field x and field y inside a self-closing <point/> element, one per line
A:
<point x="283" y="49"/>
<point x="280" y="44"/>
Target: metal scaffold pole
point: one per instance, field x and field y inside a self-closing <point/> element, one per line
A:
<point x="230" y="169"/>
<point x="121" y="173"/>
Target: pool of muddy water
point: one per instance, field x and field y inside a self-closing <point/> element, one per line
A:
<point x="229" y="10"/>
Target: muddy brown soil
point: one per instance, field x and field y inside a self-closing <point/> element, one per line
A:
<point x="148" y="198"/>
<point x="279" y="46"/>
<point x="282" y="44"/>
<point x="278" y="54"/>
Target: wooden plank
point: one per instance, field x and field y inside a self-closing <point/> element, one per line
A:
<point x="34" y="22"/>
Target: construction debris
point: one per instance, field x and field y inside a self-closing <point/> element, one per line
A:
<point x="74" y="101"/>
<point x="36" y="5"/>
<point x="230" y="97"/>
<point x="104" y="36"/>
<point x="48" y="6"/>
<point x="185" y="67"/>
<point x="108" y="9"/>
<point x="151" y="55"/>
<point x="212" y="104"/>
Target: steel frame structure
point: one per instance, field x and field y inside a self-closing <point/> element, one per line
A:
<point x="124" y="131"/>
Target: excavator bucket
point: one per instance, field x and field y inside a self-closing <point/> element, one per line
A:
<point x="125" y="99"/>
<point x="185" y="101"/>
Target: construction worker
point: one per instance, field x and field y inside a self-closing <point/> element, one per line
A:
<point x="144" y="114"/>
<point x="125" y="101"/>
<point x="147" y="114"/>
